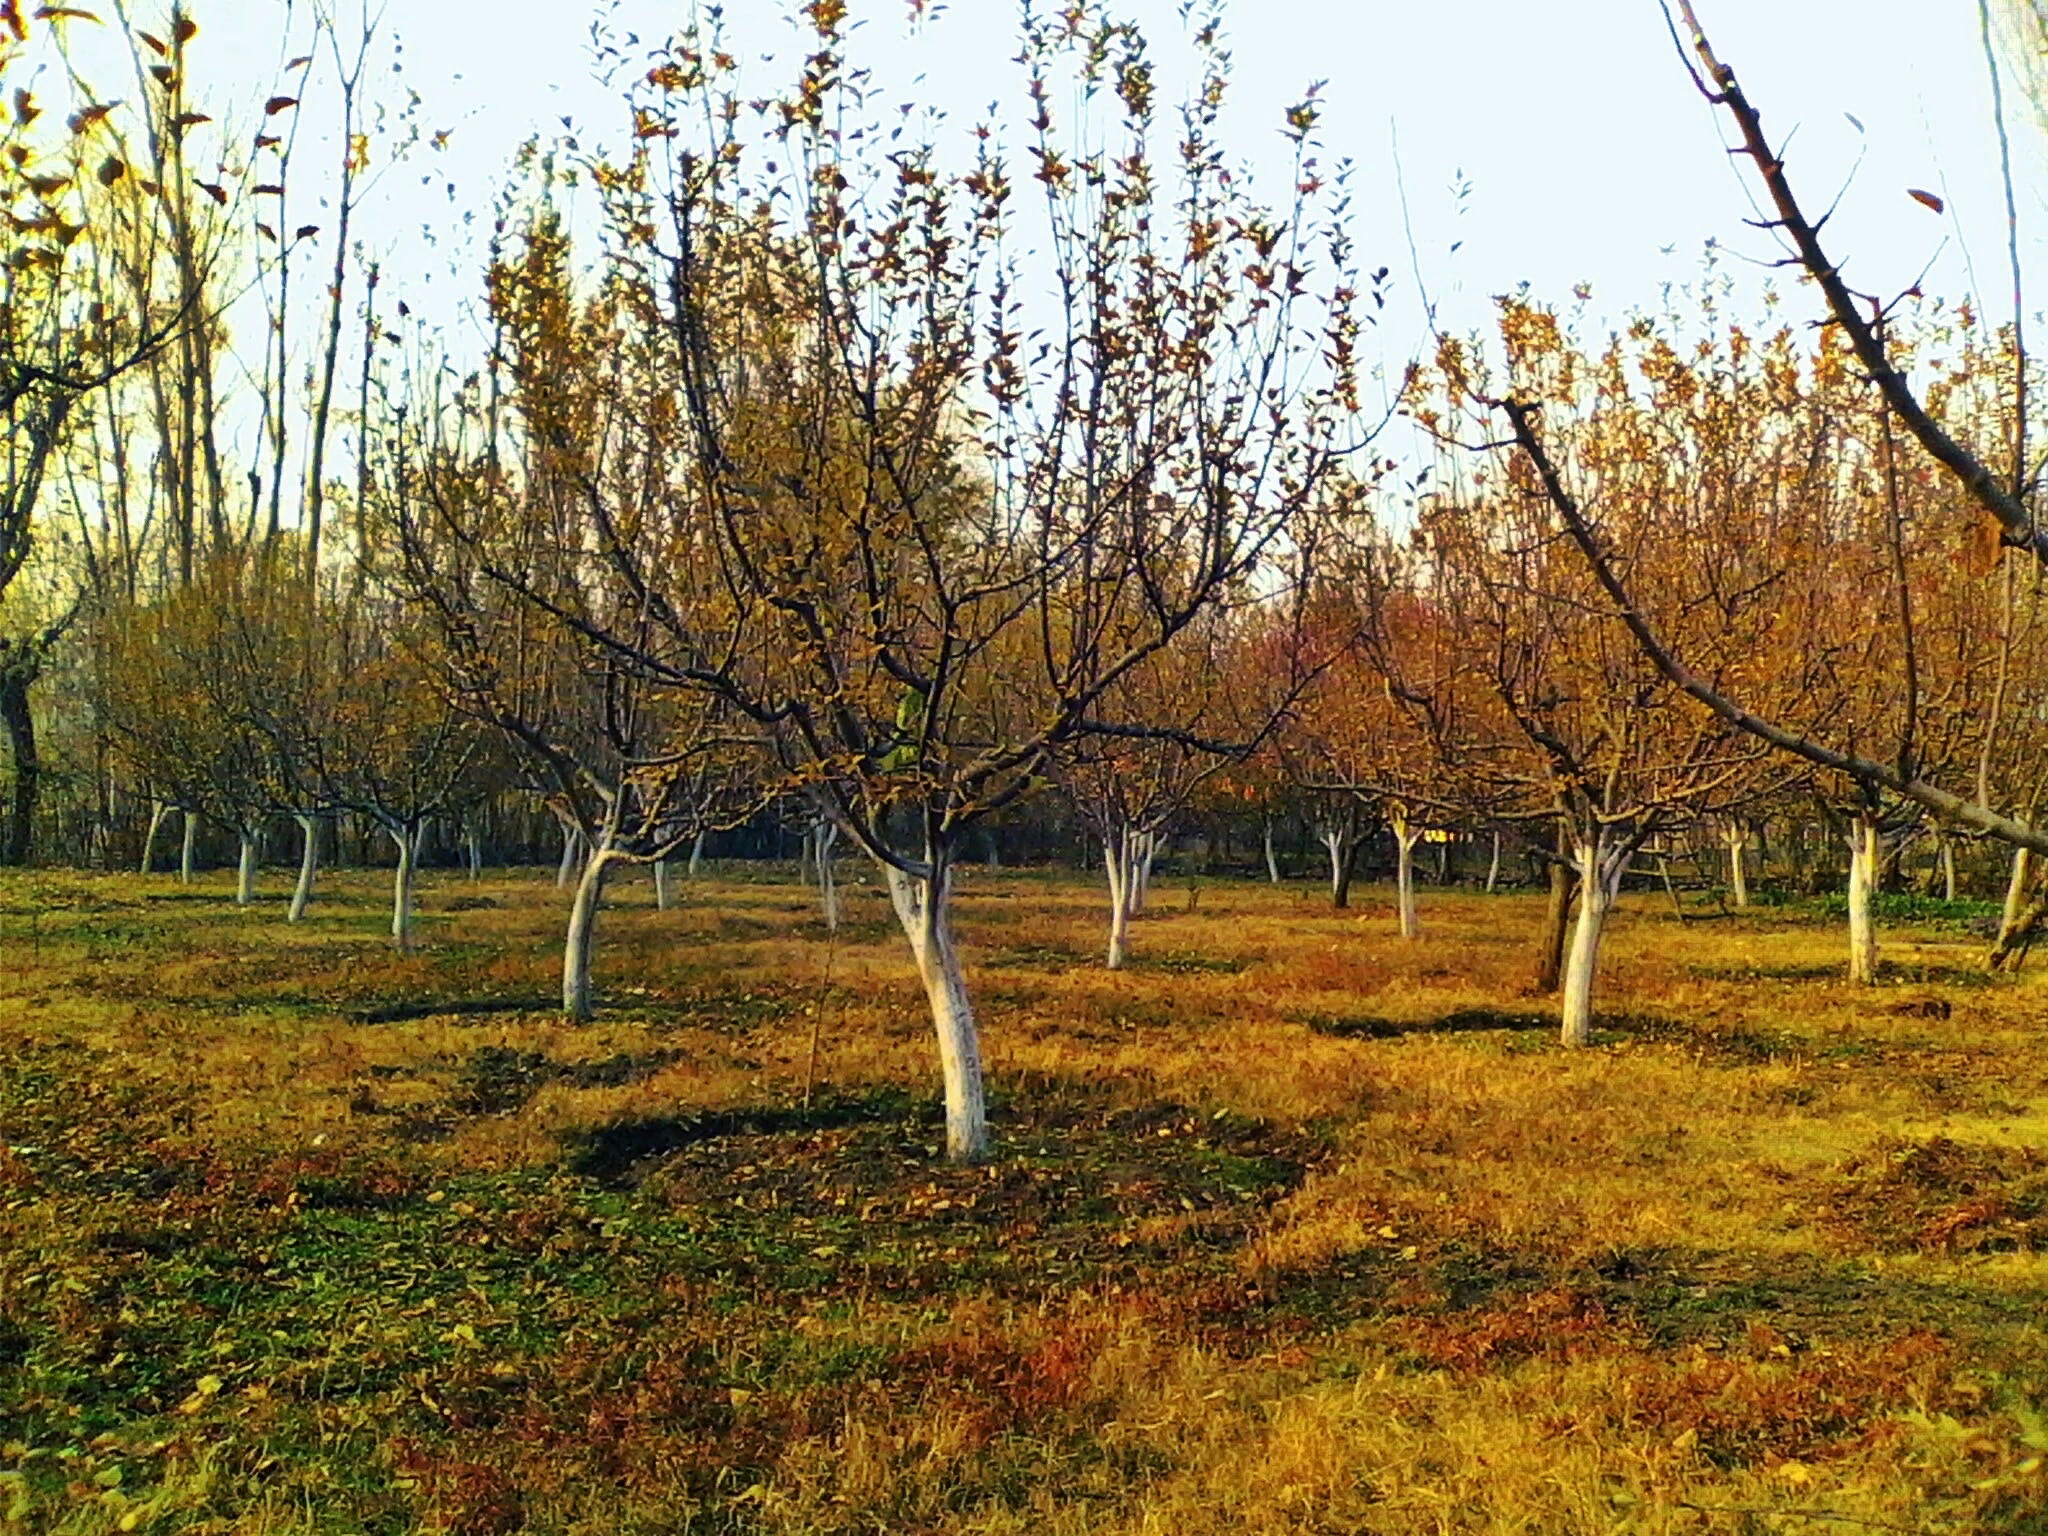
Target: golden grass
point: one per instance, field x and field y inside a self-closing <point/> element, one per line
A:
<point x="1292" y="1226"/>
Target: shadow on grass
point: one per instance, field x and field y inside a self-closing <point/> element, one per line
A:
<point x="1462" y="1021"/>
<point x="620" y="1153"/>
<point x="402" y="1013"/>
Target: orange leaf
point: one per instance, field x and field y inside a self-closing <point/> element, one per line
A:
<point x="192" y="119"/>
<point x="213" y="189"/>
<point x="186" y="29"/>
<point x="1926" y="199"/>
<point x="154" y="42"/>
<point x="278" y="104"/>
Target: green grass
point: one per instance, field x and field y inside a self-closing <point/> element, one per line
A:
<point x="1290" y="1227"/>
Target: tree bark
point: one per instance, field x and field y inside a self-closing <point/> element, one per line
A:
<point x="1406" y="835"/>
<point x="923" y="908"/>
<point x="185" y="851"/>
<point x="661" y="891"/>
<point x="572" y="842"/>
<point x="1738" y="864"/>
<point x="1863" y="874"/>
<point x="402" y="878"/>
<point x="1118" y="861"/>
<point x="28" y="765"/>
<point x="697" y="855"/>
<point x="1343" y="859"/>
<point x="158" y="810"/>
<point x="245" y="869"/>
<point x="1601" y="860"/>
<point x="1556" y="921"/>
<point x="309" y="858"/>
<point x="2016" y="924"/>
<point x="576" y="998"/>
<point x="827" y="835"/>
<point x="1272" y="857"/>
<point x="1493" y="866"/>
<point x="473" y="840"/>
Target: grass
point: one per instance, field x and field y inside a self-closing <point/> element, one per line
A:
<point x="1291" y="1227"/>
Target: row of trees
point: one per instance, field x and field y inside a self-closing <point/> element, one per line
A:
<point x="830" y="473"/>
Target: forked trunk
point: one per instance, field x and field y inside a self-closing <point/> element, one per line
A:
<point x="1272" y="855"/>
<point x="1117" y="861"/>
<point x="245" y="870"/>
<point x="576" y="1000"/>
<point x="158" y="810"/>
<point x="185" y="850"/>
<point x="1406" y="835"/>
<point x="1863" y="878"/>
<point x="1343" y="856"/>
<point x="923" y="908"/>
<point x="1601" y="860"/>
<point x="402" y="883"/>
<point x="661" y="892"/>
<point x="309" y="859"/>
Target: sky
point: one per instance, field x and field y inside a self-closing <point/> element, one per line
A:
<point x="1550" y="144"/>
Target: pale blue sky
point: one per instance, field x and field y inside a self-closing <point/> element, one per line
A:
<point x="1581" y="148"/>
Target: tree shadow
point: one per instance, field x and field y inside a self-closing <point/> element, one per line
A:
<point x="1461" y="1021"/>
<point x="623" y="1152"/>
<point x="402" y="1013"/>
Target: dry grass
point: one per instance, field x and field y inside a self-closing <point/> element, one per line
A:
<point x="1291" y="1227"/>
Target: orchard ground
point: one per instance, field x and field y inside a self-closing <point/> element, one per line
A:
<point x="1290" y="1227"/>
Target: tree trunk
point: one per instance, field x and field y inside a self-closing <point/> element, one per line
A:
<point x="245" y="870"/>
<point x="1556" y="922"/>
<point x="1864" y="865"/>
<point x="28" y="766"/>
<point x="576" y="1000"/>
<point x="1738" y="865"/>
<point x="401" y="882"/>
<point x="697" y="855"/>
<point x="1343" y="859"/>
<point x="1601" y="860"/>
<point x="185" y="852"/>
<point x="572" y="842"/>
<point x="1117" y="860"/>
<point x="1406" y="835"/>
<point x="923" y="908"/>
<point x="309" y="858"/>
<point x="828" y="880"/>
<point x="1493" y="867"/>
<point x="473" y="840"/>
<point x="158" y="810"/>
<point x="2017" y="923"/>
<point x="661" y="893"/>
<point x="1141" y="888"/>
<point x="1272" y="857"/>
<point x="1948" y="870"/>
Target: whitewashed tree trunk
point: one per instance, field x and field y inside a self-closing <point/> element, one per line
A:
<point x="1272" y="855"/>
<point x="1948" y="870"/>
<point x="572" y="844"/>
<point x="828" y="880"/>
<point x="245" y="870"/>
<point x="2016" y="890"/>
<point x="473" y="841"/>
<point x="1334" y="841"/>
<point x="185" y="852"/>
<point x="1863" y="855"/>
<point x="1493" y="866"/>
<point x="697" y="856"/>
<point x="1143" y="853"/>
<point x="1406" y="835"/>
<point x="1737" y="838"/>
<point x="402" y="880"/>
<point x="923" y="908"/>
<point x="1117" y="860"/>
<point x="158" y="810"/>
<point x="1602" y="859"/>
<point x="576" y="998"/>
<point x="661" y="892"/>
<point x="309" y="859"/>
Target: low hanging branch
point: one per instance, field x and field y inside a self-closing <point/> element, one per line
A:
<point x="1864" y="771"/>
<point x="2002" y="502"/>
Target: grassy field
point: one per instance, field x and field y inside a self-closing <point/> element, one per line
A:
<point x="1292" y="1227"/>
